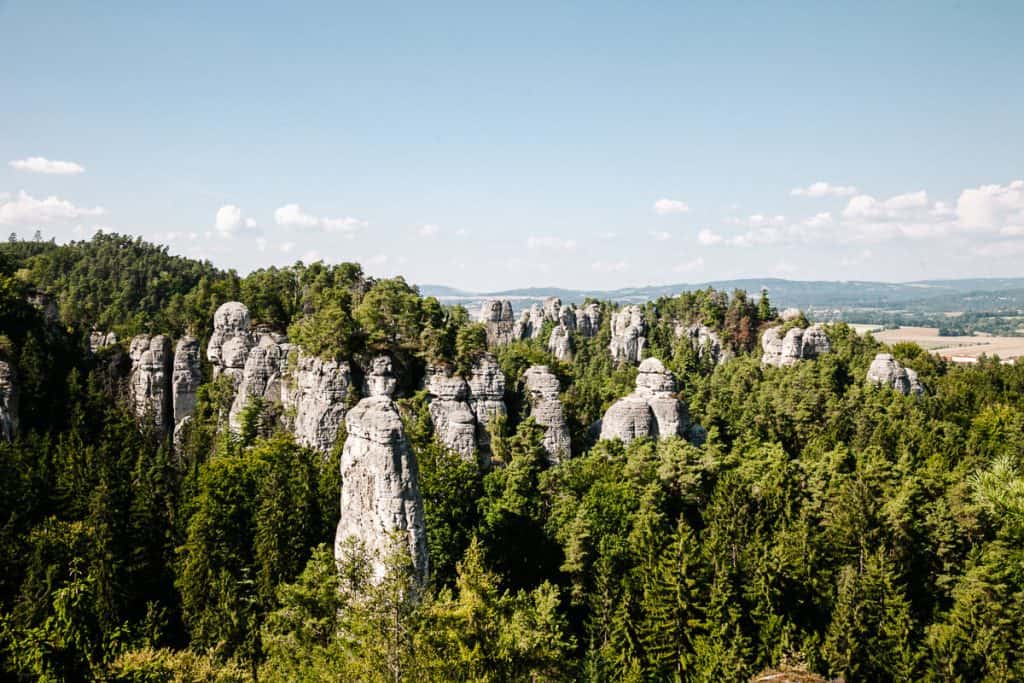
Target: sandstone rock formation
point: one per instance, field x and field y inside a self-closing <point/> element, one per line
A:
<point x="530" y="323"/>
<point x="231" y="340"/>
<point x="380" y="494"/>
<point x="542" y="390"/>
<point x="705" y="342"/>
<point x="8" y="402"/>
<point x="496" y="315"/>
<point x="99" y="340"/>
<point x="628" y="330"/>
<point x="149" y="385"/>
<point x="588" y="320"/>
<point x="314" y="392"/>
<point x="454" y="421"/>
<point x="651" y="410"/>
<point x="797" y="344"/>
<point x="261" y="378"/>
<point x="889" y="372"/>
<point x="486" y="396"/>
<point x="186" y="376"/>
<point x="559" y="343"/>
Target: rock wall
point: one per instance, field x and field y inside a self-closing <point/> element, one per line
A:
<point x="705" y="342"/>
<point x="652" y="410"/>
<point x="314" y="392"/>
<point x="99" y="340"/>
<point x="588" y="320"/>
<point x="231" y="340"/>
<point x="797" y="344"/>
<point x="628" y="335"/>
<point x="261" y="378"/>
<point x="559" y="343"/>
<point x="486" y="397"/>
<point x="380" y="494"/>
<point x="542" y="390"/>
<point x="455" y="423"/>
<point x="149" y="385"/>
<point x="889" y="372"/>
<point x="496" y="315"/>
<point x="8" y="402"/>
<point x="186" y="376"/>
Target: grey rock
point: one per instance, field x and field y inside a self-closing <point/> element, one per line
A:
<point x="314" y="392"/>
<point x="652" y="410"/>
<point x="542" y="390"/>
<point x="380" y="494"/>
<point x="628" y="335"/>
<point x="496" y="315"/>
<point x="149" y="385"/>
<point x="790" y="314"/>
<point x="588" y="320"/>
<point x="797" y="344"/>
<point x="629" y="418"/>
<point x="231" y="340"/>
<point x="705" y="342"/>
<point x="381" y="380"/>
<point x="99" y="340"/>
<point x="889" y="372"/>
<point x="261" y="378"/>
<point x="815" y="342"/>
<point x="454" y="421"/>
<point x="8" y="402"/>
<point x="559" y="343"/>
<point x="186" y="376"/>
<point x="486" y="396"/>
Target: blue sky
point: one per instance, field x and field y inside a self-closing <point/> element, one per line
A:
<point x="571" y="144"/>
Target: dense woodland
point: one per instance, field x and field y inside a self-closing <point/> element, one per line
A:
<point x="825" y="525"/>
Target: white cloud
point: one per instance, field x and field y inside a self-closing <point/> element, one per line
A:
<point x="609" y="266"/>
<point x="823" y="189"/>
<point x="661" y="236"/>
<point x="229" y="219"/>
<point x="377" y="260"/>
<point x="858" y="258"/>
<point x="26" y="209"/>
<point x="758" y="220"/>
<point x="261" y="244"/>
<point x="690" y="266"/>
<point x="311" y="256"/>
<point x="293" y="216"/>
<point x="819" y="220"/>
<point x="865" y="208"/>
<point x="1000" y="248"/>
<point x="250" y="222"/>
<point x="664" y="207"/>
<point x="286" y="247"/>
<point x="709" y="238"/>
<point x="42" y="165"/>
<point x="429" y="230"/>
<point x="461" y="232"/>
<point x="550" y="242"/>
<point x="984" y="207"/>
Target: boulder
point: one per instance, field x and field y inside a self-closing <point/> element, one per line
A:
<point x="542" y="390"/>
<point x="559" y="343"/>
<point x="149" y="385"/>
<point x="8" y="402"/>
<point x="186" y="376"/>
<point x="705" y="342"/>
<point x="314" y="393"/>
<point x="628" y="330"/>
<point x="588" y="320"/>
<point x="889" y="372"/>
<point x="454" y="422"/>
<point x="496" y="315"/>
<point x="381" y="380"/>
<point x="99" y="340"/>
<point x="795" y="345"/>
<point x="261" y="378"/>
<point x="231" y="340"/>
<point x="486" y="396"/>
<point x="380" y="494"/>
<point x="652" y="410"/>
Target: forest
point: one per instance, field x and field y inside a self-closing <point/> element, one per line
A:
<point x="824" y="528"/>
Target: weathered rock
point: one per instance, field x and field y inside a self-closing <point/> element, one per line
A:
<point x="261" y="378"/>
<point x="486" y="396"/>
<point x="99" y="340"/>
<point x="628" y="330"/>
<point x="559" y="343"/>
<point x="314" y="392"/>
<point x="454" y="421"/>
<point x="790" y="314"/>
<point x="231" y="340"/>
<point x="705" y="342"/>
<point x="496" y="315"/>
<point x="186" y="376"/>
<point x="8" y="402"/>
<point x="381" y="380"/>
<point x="588" y="320"/>
<point x="889" y="372"/>
<point x="149" y="386"/>
<point x="530" y="323"/>
<point x="380" y="494"/>
<point x="542" y="390"/>
<point x="797" y="344"/>
<point x="652" y="410"/>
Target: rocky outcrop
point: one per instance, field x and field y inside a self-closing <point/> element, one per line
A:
<point x="8" y="402"/>
<point x="231" y="340"/>
<point x="784" y="350"/>
<point x="542" y="390"/>
<point x="628" y="334"/>
<point x="486" y="397"/>
<point x="705" y="342"/>
<point x="380" y="494"/>
<point x="99" y="340"/>
<point x="496" y="315"/>
<point x="588" y="320"/>
<point x="530" y="323"/>
<point x="261" y="378"/>
<point x="313" y="393"/>
<point x="186" y="376"/>
<point x="454" y="421"/>
<point x="559" y="343"/>
<point x="652" y="410"/>
<point x="149" y="385"/>
<point x="888" y="372"/>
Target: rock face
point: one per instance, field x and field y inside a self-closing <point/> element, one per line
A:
<point x="380" y="494"/>
<point x="186" y="376"/>
<point x="705" y="342"/>
<point x="8" y="402"/>
<point x="149" y="386"/>
<point x="261" y="378"/>
<point x="99" y="340"/>
<point x="546" y="408"/>
<point x="486" y="396"/>
<point x="628" y="330"/>
<point x="887" y="371"/>
<point x="454" y="421"/>
<point x="496" y="315"/>
<point x="797" y="344"/>
<point x="588" y="320"/>
<point x="559" y="343"/>
<point x="652" y="410"/>
<point x="315" y="391"/>
<point x="231" y="340"/>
